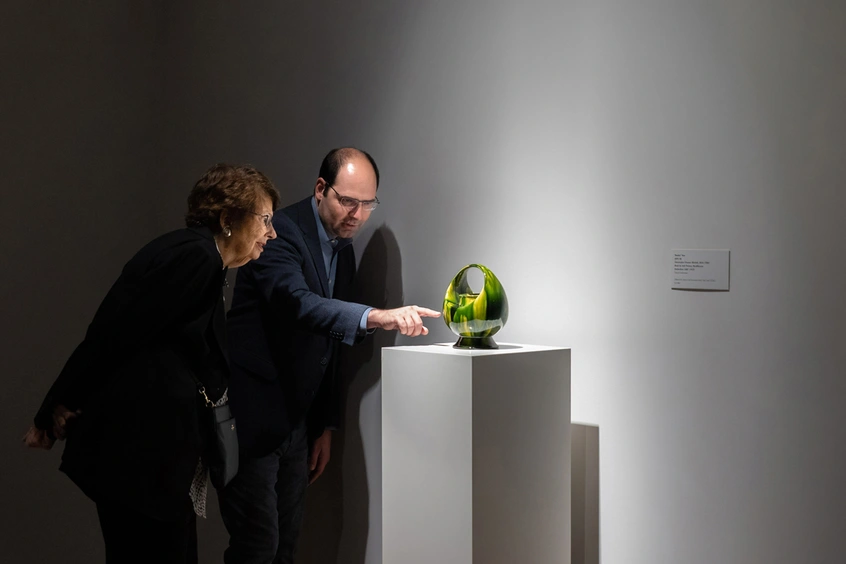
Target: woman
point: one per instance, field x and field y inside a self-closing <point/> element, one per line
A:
<point x="127" y="400"/>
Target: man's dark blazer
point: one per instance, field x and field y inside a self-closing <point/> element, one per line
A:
<point x="283" y="332"/>
<point x="138" y="439"/>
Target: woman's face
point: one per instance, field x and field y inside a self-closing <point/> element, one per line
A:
<point x="251" y="234"/>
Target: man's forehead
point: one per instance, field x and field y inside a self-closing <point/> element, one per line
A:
<point x="357" y="172"/>
<point x="356" y="165"/>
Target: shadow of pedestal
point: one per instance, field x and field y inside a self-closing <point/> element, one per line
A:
<point x="584" y="497"/>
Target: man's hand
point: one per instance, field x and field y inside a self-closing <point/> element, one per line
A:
<point x="38" y="438"/>
<point x="319" y="457"/>
<point x="407" y="320"/>
<point x="62" y="417"/>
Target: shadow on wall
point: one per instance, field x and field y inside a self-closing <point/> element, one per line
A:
<point x="584" y="494"/>
<point x="338" y="516"/>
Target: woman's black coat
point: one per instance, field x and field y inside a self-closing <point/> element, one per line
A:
<point x="139" y="436"/>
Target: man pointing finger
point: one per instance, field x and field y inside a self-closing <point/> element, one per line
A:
<point x="290" y="311"/>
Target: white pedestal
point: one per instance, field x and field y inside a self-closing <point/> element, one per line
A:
<point x="475" y="455"/>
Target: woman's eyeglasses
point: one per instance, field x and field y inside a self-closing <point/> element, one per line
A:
<point x="266" y="218"/>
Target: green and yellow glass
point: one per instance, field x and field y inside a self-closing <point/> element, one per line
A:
<point x="475" y="316"/>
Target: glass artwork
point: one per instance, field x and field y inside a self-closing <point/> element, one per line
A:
<point x="475" y="316"/>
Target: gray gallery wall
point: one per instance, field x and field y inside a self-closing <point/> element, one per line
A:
<point x="79" y="146"/>
<point x="566" y="145"/>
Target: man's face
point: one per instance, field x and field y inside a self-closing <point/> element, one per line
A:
<point x="356" y="182"/>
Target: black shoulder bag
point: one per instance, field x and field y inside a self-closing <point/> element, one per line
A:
<point x="224" y="464"/>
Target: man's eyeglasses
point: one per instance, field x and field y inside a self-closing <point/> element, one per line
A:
<point x="352" y="203"/>
<point x="266" y="218"/>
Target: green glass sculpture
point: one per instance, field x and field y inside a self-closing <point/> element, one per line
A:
<point x="475" y="316"/>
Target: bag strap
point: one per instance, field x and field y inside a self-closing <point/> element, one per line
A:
<point x="202" y="389"/>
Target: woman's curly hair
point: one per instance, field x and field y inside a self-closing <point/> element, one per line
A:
<point x="234" y="188"/>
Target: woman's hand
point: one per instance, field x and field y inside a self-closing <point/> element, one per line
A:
<point x="62" y="417"/>
<point x="38" y="438"/>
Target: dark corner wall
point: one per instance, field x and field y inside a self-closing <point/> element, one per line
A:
<point x="79" y="145"/>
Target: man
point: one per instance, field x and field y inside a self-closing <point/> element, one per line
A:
<point x="289" y="313"/>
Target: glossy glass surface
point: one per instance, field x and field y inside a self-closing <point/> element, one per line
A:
<point x="475" y="316"/>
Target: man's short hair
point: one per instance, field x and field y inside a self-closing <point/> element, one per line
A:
<point x="336" y="158"/>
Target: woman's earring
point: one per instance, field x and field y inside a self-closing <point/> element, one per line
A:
<point x="227" y="232"/>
